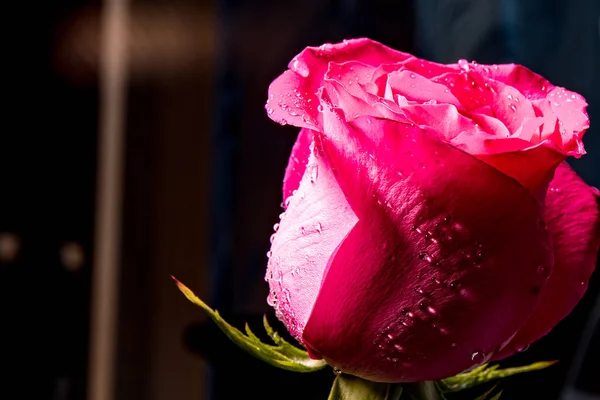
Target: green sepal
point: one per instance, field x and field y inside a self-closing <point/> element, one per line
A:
<point x="484" y="374"/>
<point x="486" y="395"/>
<point x="282" y="355"/>
<point x="348" y="387"/>
<point x="425" y="390"/>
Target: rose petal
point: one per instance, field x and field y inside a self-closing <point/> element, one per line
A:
<point x="292" y="101"/>
<point x="316" y="220"/>
<point x="532" y="166"/>
<point x="573" y="222"/>
<point x="530" y="84"/>
<point x="292" y="97"/>
<point x="417" y="88"/>
<point x="418" y="288"/>
<point x="297" y="163"/>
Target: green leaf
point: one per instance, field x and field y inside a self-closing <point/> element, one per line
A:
<point x="483" y="374"/>
<point x="348" y="387"/>
<point x="282" y="355"/>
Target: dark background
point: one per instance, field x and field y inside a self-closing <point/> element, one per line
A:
<point x="202" y="176"/>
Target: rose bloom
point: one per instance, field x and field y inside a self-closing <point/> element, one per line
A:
<point x="431" y="223"/>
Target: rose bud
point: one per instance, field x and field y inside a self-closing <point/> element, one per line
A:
<point x="431" y="223"/>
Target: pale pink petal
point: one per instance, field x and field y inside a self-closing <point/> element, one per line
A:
<point x="297" y="163"/>
<point x="316" y="220"/>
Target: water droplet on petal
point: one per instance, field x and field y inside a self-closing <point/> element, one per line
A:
<point x="319" y="227"/>
<point x="523" y="348"/>
<point x="270" y="111"/>
<point x="283" y="122"/>
<point x="272" y="238"/>
<point x="478" y="357"/>
<point x="314" y="173"/>
<point x="269" y="254"/>
<point x="275" y="227"/>
<point x="301" y="68"/>
<point x="336" y="371"/>
<point x="543" y="270"/>
<point x="463" y="64"/>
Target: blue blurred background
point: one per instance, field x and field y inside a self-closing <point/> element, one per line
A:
<point x="136" y="146"/>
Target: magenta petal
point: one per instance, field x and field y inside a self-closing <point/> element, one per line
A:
<point x="415" y="87"/>
<point x="573" y="222"/>
<point x="422" y="288"/>
<point x="530" y="84"/>
<point x="533" y="167"/>
<point x="316" y="220"/>
<point x="292" y="99"/>
<point x="297" y="164"/>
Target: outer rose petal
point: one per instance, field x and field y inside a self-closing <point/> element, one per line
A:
<point x="532" y="85"/>
<point x="316" y="220"/>
<point x="297" y="163"/>
<point x="422" y="287"/>
<point x="572" y="218"/>
<point x="292" y="96"/>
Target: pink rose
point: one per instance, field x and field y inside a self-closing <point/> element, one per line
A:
<point x="430" y="223"/>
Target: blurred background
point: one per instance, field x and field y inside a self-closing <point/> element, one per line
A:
<point x="136" y="146"/>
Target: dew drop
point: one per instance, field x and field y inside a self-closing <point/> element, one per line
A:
<point x="303" y="230"/>
<point x="320" y="108"/>
<point x="270" y="111"/>
<point x="276" y="227"/>
<point x="283" y="122"/>
<point x="523" y="348"/>
<point x="272" y="299"/>
<point x="314" y="173"/>
<point x="426" y="257"/>
<point x="319" y="227"/>
<point x="513" y="107"/>
<point x="407" y="322"/>
<point x="419" y="290"/>
<point x="398" y="347"/>
<point x="542" y="223"/>
<point x="454" y="284"/>
<point x="412" y="75"/>
<point x="543" y="270"/>
<point x="300" y="68"/>
<point x="478" y="357"/>
<point x="463" y="64"/>
<point x="337" y="371"/>
<point x="269" y="254"/>
<point x="272" y="238"/>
